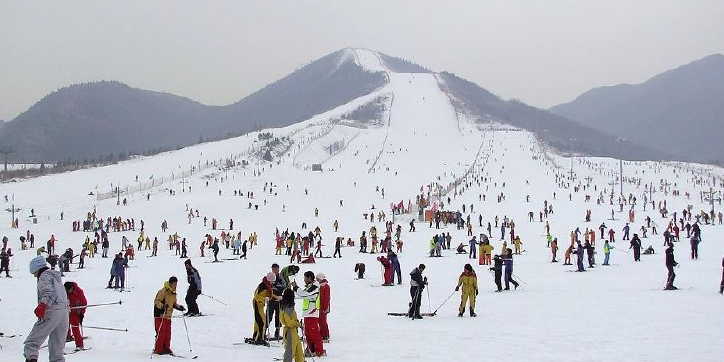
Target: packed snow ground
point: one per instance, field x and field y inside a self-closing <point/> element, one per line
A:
<point x="616" y="313"/>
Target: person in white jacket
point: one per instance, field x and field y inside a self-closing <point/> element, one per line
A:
<point x="52" y="313"/>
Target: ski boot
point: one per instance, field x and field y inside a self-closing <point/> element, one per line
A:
<point x="472" y="313"/>
<point x="460" y="314"/>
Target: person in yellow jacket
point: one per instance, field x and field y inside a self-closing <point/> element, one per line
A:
<point x="262" y="292"/>
<point x="487" y="251"/>
<point x="163" y="306"/>
<point x="288" y="318"/>
<point x="517" y="244"/>
<point x="469" y="281"/>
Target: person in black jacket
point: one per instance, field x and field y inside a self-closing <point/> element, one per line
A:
<point x="194" y="280"/>
<point x="590" y="252"/>
<point x="417" y="284"/>
<point x="670" y="264"/>
<point x="498" y="269"/>
<point x="272" y="307"/>
<point x="579" y="257"/>
<point x="636" y="246"/>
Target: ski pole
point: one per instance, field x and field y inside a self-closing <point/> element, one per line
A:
<point x="429" y="305"/>
<point x="521" y="280"/>
<point x="103" y="328"/>
<point x="443" y="303"/>
<point x="188" y="338"/>
<point x="88" y="306"/>
<point x="212" y="298"/>
<point x="304" y="342"/>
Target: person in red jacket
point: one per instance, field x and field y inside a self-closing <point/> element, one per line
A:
<point x="323" y="306"/>
<point x="77" y="303"/>
<point x="388" y="270"/>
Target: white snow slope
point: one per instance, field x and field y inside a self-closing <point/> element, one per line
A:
<point x="615" y="313"/>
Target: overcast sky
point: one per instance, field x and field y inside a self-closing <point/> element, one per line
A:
<point x="217" y="52"/>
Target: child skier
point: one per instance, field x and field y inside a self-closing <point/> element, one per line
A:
<point x="469" y="281"/>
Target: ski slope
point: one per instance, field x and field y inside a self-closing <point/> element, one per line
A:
<point x="616" y="313"/>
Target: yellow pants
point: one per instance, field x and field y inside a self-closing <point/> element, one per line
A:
<point x="292" y="345"/>
<point x="259" y="321"/>
<point x="467" y="294"/>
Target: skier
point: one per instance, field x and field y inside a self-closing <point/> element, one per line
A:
<point x="508" y="261"/>
<point x="579" y="257"/>
<point x="636" y="246"/>
<point x="417" y="284"/>
<point x="606" y="252"/>
<point x="554" y="249"/>
<point x="670" y="264"/>
<point x="359" y="268"/>
<point x="395" y="267"/>
<point x="163" y="305"/>
<point x="387" y="270"/>
<point x="469" y="281"/>
<point x="473" y="248"/>
<point x="52" y="313"/>
<point x="694" y="248"/>
<point x="497" y="268"/>
<point x="5" y="261"/>
<point x="324" y="299"/>
<point x="194" y="280"/>
<point x="625" y="232"/>
<point x="310" y="306"/>
<point x="590" y="253"/>
<point x="77" y="301"/>
<point x="262" y="292"/>
<point x="273" y="305"/>
<point x="292" y="343"/>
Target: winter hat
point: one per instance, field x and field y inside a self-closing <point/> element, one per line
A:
<point x="37" y="263"/>
<point x="271" y="277"/>
<point x="188" y="262"/>
<point x="321" y="276"/>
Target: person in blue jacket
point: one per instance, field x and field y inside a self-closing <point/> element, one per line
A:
<point x="508" y="262"/>
<point x="395" y="267"/>
<point x="579" y="256"/>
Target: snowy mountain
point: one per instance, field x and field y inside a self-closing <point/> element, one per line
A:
<point x="403" y="141"/>
<point x="680" y="111"/>
<point x="106" y="121"/>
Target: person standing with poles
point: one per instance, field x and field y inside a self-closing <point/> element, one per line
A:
<point x="273" y="305"/>
<point x="670" y="264"/>
<point x="77" y="302"/>
<point x="194" y="280"/>
<point x="417" y="284"/>
<point x="262" y="292"/>
<point x="469" y="281"/>
<point x="52" y="313"/>
<point x="497" y="269"/>
<point x="509" y="270"/>
<point x="163" y="305"/>
<point x="636" y="246"/>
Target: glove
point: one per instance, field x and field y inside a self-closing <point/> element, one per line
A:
<point x="476" y="292"/>
<point x="457" y="289"/>
<point x="40" y="311"/>
<point x="80" y="318"/>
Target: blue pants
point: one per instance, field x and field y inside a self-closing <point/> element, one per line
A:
<point x="605" y="259"/>
<point x="473" y="252"/>
<point x="580" y="263"/>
